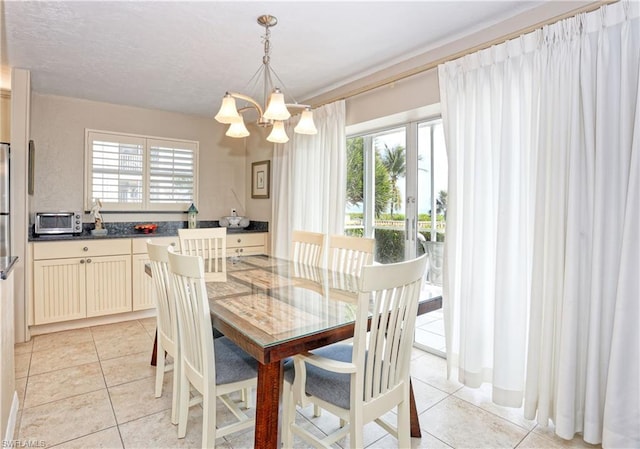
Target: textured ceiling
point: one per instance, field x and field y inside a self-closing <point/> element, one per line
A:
<point x="182" y="56"/>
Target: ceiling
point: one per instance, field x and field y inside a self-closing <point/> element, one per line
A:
<point x="182" y="56"/>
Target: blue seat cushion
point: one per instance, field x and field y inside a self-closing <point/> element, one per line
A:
<point x="232" y="363"/>
<point x="334" y="388"/>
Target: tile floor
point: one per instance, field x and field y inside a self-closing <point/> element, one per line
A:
<point x="93" y="388"/>
<point x="429" y="334"/>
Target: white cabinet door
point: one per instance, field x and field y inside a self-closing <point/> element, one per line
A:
<point x="59" y="290"/>
<point x="142" y="284"/>
<point x="108" y="285"/>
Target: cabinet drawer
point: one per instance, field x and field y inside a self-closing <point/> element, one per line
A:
<point x="139" y="246"/>
<point x="243" y="240"/>
<point x="80" y="248"/>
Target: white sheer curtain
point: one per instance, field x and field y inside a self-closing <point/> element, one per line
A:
<point x="309" y="179"/>
<point x="542" y="257"/>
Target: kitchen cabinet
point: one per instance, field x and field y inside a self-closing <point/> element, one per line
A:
<point x="248" y="244"/>
<point x="80" y="279"/>
<point x="77" y="279"/>
<point x="142" y="284"/>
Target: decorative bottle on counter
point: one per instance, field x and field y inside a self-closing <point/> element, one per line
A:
<point x="192" y="216"/>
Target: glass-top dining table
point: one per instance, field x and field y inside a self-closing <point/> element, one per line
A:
<point x="273" y="309"/>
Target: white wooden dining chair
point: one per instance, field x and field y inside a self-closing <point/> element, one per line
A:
<point x="306" y="247"/>
<point x="211" y="245"/>
<point x="350" y="254"/>
<point x="361" y="382"/>
<point x="167" y="323"/>
<point x="212" y="368"/>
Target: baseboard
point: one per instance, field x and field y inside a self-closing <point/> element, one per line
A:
<point x="13" y="418"/>
<point x="87" y="322"/>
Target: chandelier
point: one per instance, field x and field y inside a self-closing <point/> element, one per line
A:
<point x="275" y="109"/>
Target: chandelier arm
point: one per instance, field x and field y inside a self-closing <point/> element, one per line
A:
<point x="248" y="99"/>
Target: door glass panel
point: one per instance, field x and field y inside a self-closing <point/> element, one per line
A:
<point x="390" y="195"/>
<point x="432" y="209"/>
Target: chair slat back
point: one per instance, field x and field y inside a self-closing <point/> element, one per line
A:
<point x="211" y="245"/>
<point x="306" y="247"/>
<point x="391" y="292"/>
<point x="194" y="319"/>
<point x="350" y="254"/>
<point x="165" y="304"/>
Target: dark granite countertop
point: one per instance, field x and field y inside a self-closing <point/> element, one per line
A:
<point x="6" y="265"/>
<point x="126" y="230"/>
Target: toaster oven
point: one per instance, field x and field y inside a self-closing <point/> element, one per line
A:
<point x="58" y="223"/>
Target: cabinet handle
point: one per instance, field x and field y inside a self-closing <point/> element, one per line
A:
<point x="81" y="261"/>
<point x="241" y="249"/>
<point x="173" y="243"/>
<point x="86" y="248"/>
<point x="239" y="240"/>
<point x="88" y="260"/>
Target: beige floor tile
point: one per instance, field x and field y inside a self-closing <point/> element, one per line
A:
<point x="430" y="339"/>
<point x="427" y="441"/>
<point x="63" y="383"/>
<point x="22" y="363"/>
<point x="156" y="432"/>
<point x="425" y="395"/>
<point x="460" y="424"/>
<point x="131" y="342"/>
<point x="329" y="423"/>
<point x="21" y="388"/>
<point x="104" y="439"/>
<point x="128" y="368"/>
<point x="23" y="348"/>
<point x="149" y="325"/>
<point x="71" y="337"/>
<point x="549" y="433"/>
<point x="245" y="440"/>
<point x="433" y="370"/>
<point x="136" y="399"/>
<point x="63" y="356"/>
<point x="116" y="329"/>
<point x="482" y="398"/>
<point x="67" y="419"/>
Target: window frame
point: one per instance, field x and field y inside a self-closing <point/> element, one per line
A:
<point x="146" y="142"/>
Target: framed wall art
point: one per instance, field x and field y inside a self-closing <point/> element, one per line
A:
<point x="260" y="179"/>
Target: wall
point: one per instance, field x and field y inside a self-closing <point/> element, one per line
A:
<point x="5" y="115"/>
<point x="258" y="149"/>
<point x="20" y="118"/>
<point x="58" y="130"/>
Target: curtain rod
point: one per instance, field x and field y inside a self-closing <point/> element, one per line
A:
<point x="430" y="65"/>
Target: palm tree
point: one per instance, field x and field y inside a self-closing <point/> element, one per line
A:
<point x="394" y="161"/>
<point x="355" y="173"/>
<point x="441" y="203"/>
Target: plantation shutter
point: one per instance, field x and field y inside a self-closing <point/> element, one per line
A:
<point x="171" y="172"/>
<point x="129" y="172"/>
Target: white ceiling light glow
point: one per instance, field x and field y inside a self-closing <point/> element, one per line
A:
<point x="275" y="109"/>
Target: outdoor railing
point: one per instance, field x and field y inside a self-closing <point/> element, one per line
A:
<point x="395" y="224"/>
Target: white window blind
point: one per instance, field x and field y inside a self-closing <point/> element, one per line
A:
<point x="171" y="174"/>
<point x="140" y="173"/>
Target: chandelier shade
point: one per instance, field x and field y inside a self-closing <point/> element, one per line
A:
<point x="237" y="129"/>
<point x="275" y="109"/>
<point x="278" y="134"/>
<point x="228" y="112"/>
<point x="306" y="125"/>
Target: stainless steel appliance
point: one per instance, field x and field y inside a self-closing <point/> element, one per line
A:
<point x="5" y="232"/>
<point x="58" y="223"/>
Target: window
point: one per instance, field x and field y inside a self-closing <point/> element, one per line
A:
<point x="129" y="172"/>
<point x="397" y="190"/>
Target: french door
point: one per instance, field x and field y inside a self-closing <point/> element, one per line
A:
<point x="396" y="189"/>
